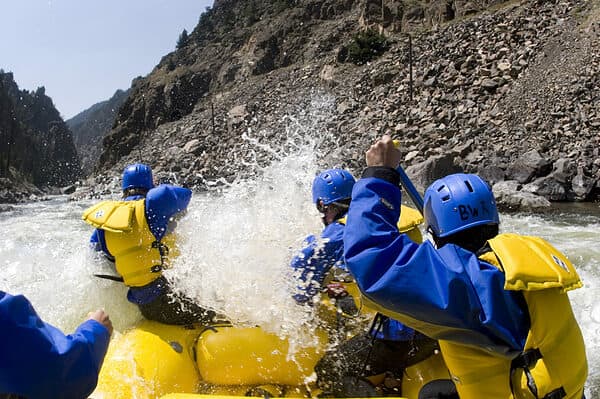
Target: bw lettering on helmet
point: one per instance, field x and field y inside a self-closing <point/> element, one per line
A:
<point x="458" y="202"/>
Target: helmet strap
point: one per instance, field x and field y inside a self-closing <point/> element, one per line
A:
<point x="340" y="210"/>
<point x="130" y="192"/>
<point x="472" y="239"/>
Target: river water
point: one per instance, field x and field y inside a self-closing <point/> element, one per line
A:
<point x="236" y="247"/>
<point x="236" y="243"/>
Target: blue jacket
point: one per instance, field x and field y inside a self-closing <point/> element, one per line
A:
<point x="38" y="361"/>
<point x="448" y="287"/>
<point x="317" y="258"/>
<point x="162" y="203"/>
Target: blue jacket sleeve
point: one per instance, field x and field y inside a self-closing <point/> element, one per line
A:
<point x="448" y="291"/>
<point x="393" y="330"/>
<point x="39" y="361"/>
<point x="162" y="203"/>
<point x="98" y="243"/>
<point x="316" y="259"/>
<point x="95" y="241"/>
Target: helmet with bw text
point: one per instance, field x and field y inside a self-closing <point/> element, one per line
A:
<point x="458" y="202"/>
<point x="332" y="185"/>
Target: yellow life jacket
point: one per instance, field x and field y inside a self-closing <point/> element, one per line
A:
<point x="553" y="362"/>
<point x="409" y="222"/>
<point x="139" y="257"/>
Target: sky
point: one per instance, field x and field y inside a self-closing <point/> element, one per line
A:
<point x="82" y="51"/>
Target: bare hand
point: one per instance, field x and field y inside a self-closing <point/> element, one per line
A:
<point x="336" y="290"/>
<point x="383" y="153"/>
<point x="102" y="317"/>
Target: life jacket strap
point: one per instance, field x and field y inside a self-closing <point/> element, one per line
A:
<point x="558" y="393"/>
<point x="526" y="360"/>
<point x="156" y="269"/>
<point x="163" y="250"/>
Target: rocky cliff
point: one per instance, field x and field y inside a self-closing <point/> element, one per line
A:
<point x="505" y="89"/>
<point x="37" y="148"/>
<point x="90" y="126"/>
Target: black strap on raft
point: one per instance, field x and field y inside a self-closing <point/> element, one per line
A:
<point x="210" y="327"/>
<point x="526" y="360"/>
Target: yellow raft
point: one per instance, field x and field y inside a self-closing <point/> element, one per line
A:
<point x="154" y="360"/>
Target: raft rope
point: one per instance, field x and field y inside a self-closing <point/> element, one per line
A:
<point x="373" y="331"/>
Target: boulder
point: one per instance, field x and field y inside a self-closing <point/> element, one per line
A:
<point x="509" y="197"/>
<point x="582" y="185"/>
<point x="548" y="187"/>
<point x="426" y="172"/>
<point x="527" y="166"/>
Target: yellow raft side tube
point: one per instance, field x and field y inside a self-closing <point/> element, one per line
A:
<point x="415" y="377"/>
<point x="205" y="396"/>
<point x="250" y="356"/>
<point x="153" y="359"/>
<point x="148" y="361"/>
<point x="200" y="396"/>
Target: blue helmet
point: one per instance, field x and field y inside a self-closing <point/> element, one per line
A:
<point x="458" y="202"/>
<point x="137" y="175"/>
<point x="332" y="185"/>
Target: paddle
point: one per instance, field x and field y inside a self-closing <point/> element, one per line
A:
<point x="109" y="277"/>
<point x="408" y="185"/>
<point x="410" y="189"/>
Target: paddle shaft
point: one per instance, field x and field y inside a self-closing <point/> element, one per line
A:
<point x="408" y="185"/>
<point x="110" y="277"/>
<point x="410" y="189"/>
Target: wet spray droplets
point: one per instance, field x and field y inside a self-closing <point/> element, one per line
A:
<point x="239" y="238"/>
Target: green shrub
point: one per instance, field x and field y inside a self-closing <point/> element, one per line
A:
<point x="183" y="39"/>
<point x="366" y="46"/>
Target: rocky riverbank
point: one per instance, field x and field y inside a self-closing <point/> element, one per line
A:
<point x="510" y="92"/>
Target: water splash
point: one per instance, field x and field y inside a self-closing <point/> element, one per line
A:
<point x="46" y="257"/>
<point x="238" y="240"/>
<point x="567" y="232"/>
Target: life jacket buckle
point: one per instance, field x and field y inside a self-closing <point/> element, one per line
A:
<point x="162" y="248"/>
<point x="558" y="393"/>
<point x="526" y="359"/>
<point x="156" y="269"/>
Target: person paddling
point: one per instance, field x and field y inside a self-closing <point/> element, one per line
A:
<point x="391" y="346"/>
<point x="497" y="303"/>
<point x="137" y="234"/>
